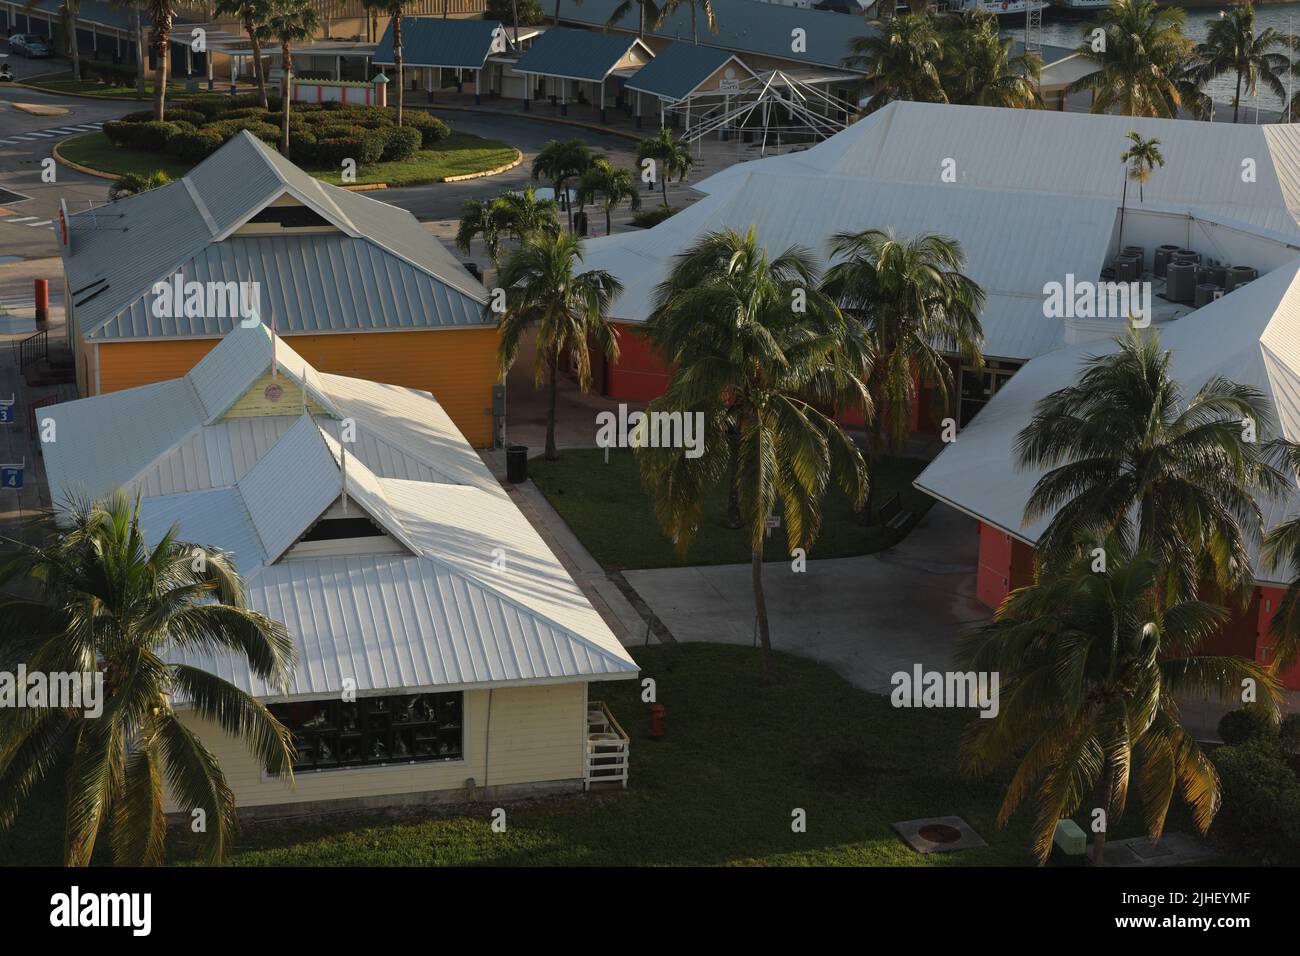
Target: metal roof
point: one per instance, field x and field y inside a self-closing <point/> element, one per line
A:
<point x="744" y="26"/>
<point x="978" y="473"/>
<point x="441" y="616"/>
<point x="381" y="271"/>
<point x="678" y="69"/>
<point x="435" y="42"/>
<point x="576" y="54"/>
<point x="94" y="11"/>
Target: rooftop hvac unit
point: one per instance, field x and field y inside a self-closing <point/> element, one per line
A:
<point x="1127" y="268"/>
<point x="1163" y="255"/>
<point x="1138" y="253"/>
<point x="1239" y="276"/>
<point x="1214" y="274"/>
<point x="1180" y="282"/>
<point x="1206" y="292"/>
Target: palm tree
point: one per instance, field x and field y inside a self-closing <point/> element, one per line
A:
<point x="914" y="306"/>
<point x="1232" y="46"/>
<point x="710" y="17"/>
<point x="394" y="9"/>
<point x="558" y="162"/>
<point x="1090" y="668"/>
<point x="671" y="155"/>
<point x="482" y="217"/>
<point x="1140" y="161"/>
<point x="161" y="15"/>
<point x="899" y="61"/>
<point x="251" y="14"/>
<point x="134" y="183"/>
<point x="1129" y="457"/>
<point x="569" y="310"/>
<point x="96" y="597"/>
<point x="555" y="21"/>
<point x="746" y="358"/>
<point x="523" y="213"/>
<point x="1282" y="553"/>
<point x="615" y="185"/>
<point x="289" y="21"/>
<point x="977" y="67"/>
<point x="647" y="11"/>
<point x="1144" y="56"/>
<point x="69" y="17"/>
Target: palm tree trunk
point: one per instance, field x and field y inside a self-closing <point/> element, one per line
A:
<point x="287" y="62"/>
<point x="551" y="453"/>
<point x="663" y="184"/>
<point x="1236" y="100"/>
<point x="555" y="20"/>
<point x="760" y="612"/>
<point x="609" y="223"/>
<point x="1123" y="200"/>
<point x="733" y="472"/>
<point x="695" y="38"/>
<point x="259" y="70"/>
<point x="397" y="59"/>
<point x="1103" y="801"/>
<point x="140" y="66"/>
<point x="514" y="15"/>
<point x="444" y="9"/>
<point x="76" y="53"/>
<point x="162" y="29"/>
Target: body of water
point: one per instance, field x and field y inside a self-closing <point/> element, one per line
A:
<point x="1283" y="17"/>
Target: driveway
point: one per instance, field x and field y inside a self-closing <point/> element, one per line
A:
<point x="867" y="617"/>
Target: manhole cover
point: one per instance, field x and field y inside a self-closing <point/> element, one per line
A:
<point x="939" y="833"/>
<point x="8" y="197"/>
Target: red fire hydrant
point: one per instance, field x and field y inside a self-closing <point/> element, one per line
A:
<point x="42" y="299"/>
<point x="656" y="721"/>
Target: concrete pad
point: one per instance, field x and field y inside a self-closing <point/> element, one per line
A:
<point x="867" y="617"/>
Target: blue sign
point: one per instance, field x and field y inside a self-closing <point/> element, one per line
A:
<point x="11" y="476"/>
<point x="6" y="413"/>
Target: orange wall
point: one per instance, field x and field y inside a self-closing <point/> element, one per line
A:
<point x="1266" y="600"/>
<point x="1005" y="563"/>
<point x="639" y="374"/>
<point x="459" y="366"/>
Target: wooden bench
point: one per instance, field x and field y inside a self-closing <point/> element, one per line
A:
<point x="893" y="517"/>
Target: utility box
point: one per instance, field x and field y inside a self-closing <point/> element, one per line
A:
<point x="1069" y="844"/>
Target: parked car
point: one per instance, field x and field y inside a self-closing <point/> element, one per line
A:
<point x="30" y="46"/>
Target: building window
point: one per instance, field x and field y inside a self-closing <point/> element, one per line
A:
<point x="978" y="386"/>
<point x="374" y="731"/>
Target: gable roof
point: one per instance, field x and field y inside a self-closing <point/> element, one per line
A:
<point x="577" y="54"/>
<point x="744" y="26"/>
<point x="679" y="69"/>
<point x="186" y="226"/>
<point x="435" y="42"/>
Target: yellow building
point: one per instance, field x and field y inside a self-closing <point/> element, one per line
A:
<point x="357" y="286"/>
<point x="443" y="652"/>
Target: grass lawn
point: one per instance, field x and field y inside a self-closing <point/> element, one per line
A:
<point x="64" y="83"/>
<point x="610" y="511"/>
<point x="458" y="154"/>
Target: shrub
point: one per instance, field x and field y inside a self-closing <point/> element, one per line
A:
<point x="196" y="145"/>
<point x="227" y="129"/>
<point x="139" y="116"/>
<point x="652" y="216"/>
<point x="1288" y="735"/>
<point x="115" y="130"/>
<point x="302" y="146"/>
<point x="331" y="151"/>
<point x="1261" y="797"/>
<point x="193" y="117"/>
<point x="432" y="130"/>
<point x="1247" y="723"/>
<point x="114" y="74"/>
<point x="151" y="136"/>
<point x="243" y="112"/>
<point x="133" y="183"/>
<point x="210" y="107"/>
<point x="400" y="142"/>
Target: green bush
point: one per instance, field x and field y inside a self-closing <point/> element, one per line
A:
<point x="210" y="107"/>
<point x="1261" y="798"/>
<point x="302" y="146"/>
<point x="432" y="130"/>
<point x="242" y="112"/>
<point x="114" y="74"/>
<point x="1288" y="735"/>
<point x="652" y="216"/>
<point x="1247" y="723"/>
<point x="116" y="132"/>
<point x="195" y="146"/>
<point x="151" y="136"/>
<point x="139" y="116"/>
<point x="340" y="131"/>
<point x="331" y="151"/>
<point x="400" y="142"/>
<point x="227" y="129"/>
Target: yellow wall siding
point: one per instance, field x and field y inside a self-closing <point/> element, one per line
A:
<point x="255" y="404"/>
<point x="459" y="366"/>
<point x="536" y="736"/>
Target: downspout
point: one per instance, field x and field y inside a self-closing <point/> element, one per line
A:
<point x="487" y="743"/>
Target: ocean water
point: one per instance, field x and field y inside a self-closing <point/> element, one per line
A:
<point x="1283" y="17"/>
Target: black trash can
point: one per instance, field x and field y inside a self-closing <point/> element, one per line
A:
<point x="580" y="223"/>
<point x="517" y="464"/>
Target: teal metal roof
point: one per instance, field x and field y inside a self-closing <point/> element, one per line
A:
<point x="744" y="26"/>
<point x="678" y="69"/>
<point x="433" y="41"/>
<point x="575" y="54"/>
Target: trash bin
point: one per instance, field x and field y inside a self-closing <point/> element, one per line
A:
<point x="580" y="223"/>
<point x="517" y="464"/>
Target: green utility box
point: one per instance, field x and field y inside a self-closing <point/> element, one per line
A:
<point x="1069" y="844"/>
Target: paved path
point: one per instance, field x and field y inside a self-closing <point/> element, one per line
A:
<point x="867" y="617"/>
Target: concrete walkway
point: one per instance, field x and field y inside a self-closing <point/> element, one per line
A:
<point x="867" y="617"/>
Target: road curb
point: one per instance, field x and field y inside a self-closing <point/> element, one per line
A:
<point x="98" y="173"/>
<point x="519" y="158"/>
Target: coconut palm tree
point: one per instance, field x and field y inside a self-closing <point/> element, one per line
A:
<point x="915" y="306"/>
<point x="394" y="9"/>
<point x="1232" y="46"/>
<point x="767" y="352"/>
<point x="669" y="7"/>
<point x="899" y="60"/>
<point x="97" y="597"/>
<point x="1126" y="455"/>
<point x="1145" y="54"/>
<point x="647" y="12"/>
<point x="977" y="67"/>
<point x="560" y="161"/>
<point x="1282" y="553"/>
<point x="1091" y="664"/>
<point x="69" y="17"/>
<point x="672" y="158"/>
<point x="615" y="185"/>
<point x="485" y="218"/>
<point x="162" y="13"/>
<point x="289" y="21"/>
<point x="523" y="213"/>
<point x="1140" y="161"/>
<point x="569" y="310"/>
<point x="251" y="14"/>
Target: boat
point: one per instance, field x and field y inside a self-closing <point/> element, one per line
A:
<point x="1081" y="6"/>
<point x="1000" y="8"/>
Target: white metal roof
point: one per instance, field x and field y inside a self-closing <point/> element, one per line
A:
<point x="1250" y="336"/>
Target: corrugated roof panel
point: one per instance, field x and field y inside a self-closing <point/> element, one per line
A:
<point x="290" y="486"/>
<point x="679" y="68"/>
<point x="435" y="42"/>
<point x="214" y="519"/>
<point x="576" y="54"/>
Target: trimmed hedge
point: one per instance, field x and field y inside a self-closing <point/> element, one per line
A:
<point x="400" y="142"/>
<point x="195" y="146"/>
<point x="1246" y="723"/>
<point x="150" y="136"/>
<point x="1261" y="798"/>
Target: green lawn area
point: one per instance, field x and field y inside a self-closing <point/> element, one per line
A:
<point x="457" y="155"/>
<point x="610" y="511"/>
<point x="64" y="83"/>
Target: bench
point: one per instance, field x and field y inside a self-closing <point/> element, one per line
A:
<point x="893" y="517"/>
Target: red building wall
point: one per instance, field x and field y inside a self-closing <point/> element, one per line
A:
<point x="639" y="374"/>
<point x="1005" y="563"/>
